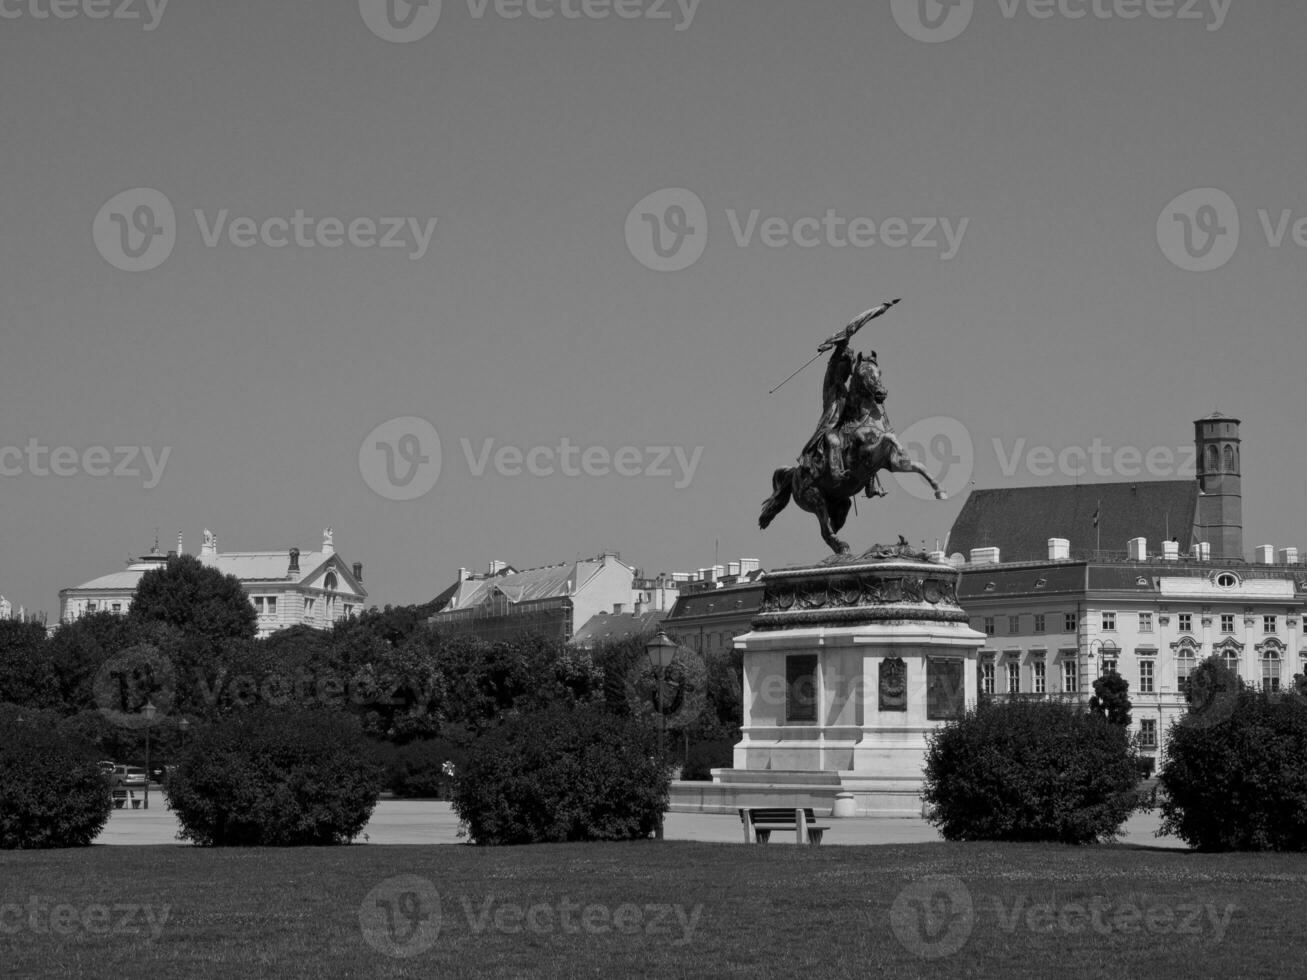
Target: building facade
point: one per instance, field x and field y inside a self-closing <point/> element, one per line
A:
<point x="286" y="588"/>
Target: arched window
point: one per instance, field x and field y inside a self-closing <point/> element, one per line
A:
<point x="1184" y="665"/>
<point x="1270" y="670"/>
<point x="329" y="583"/>
<point x="1231" y="659"/>
<point x="1213" y="460"/>
<point x="1229" y="459"/>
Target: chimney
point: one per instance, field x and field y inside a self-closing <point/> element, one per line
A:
<point x="495" y="567"/>
<point x="748" y="565"/>
<point x="1170" y="550"/>
<point x="294" y="561"/>
<point x="1137" y="549"/>
<point x="733" y="569"/>
<point x="358" y="572"/>
<point x="1059" y="549"/>
<point x="985" y="556"/>
<point x="1266" y="554"/>
<point x="180" y="549"/>
<point x="1288" y="556"/>
<point x="1205" y="551"/>
<point x="463" y="575"/>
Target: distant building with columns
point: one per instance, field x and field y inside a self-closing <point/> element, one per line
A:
<point x="286" y="587"/>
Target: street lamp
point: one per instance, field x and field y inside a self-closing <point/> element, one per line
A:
<point x="149" y="711"/>
<point x="1107" y="650"/>
<point x="661" y="651"/>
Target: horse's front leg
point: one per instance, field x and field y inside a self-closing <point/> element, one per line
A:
<point x="900" y="462"/>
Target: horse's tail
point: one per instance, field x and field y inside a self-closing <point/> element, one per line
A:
<point x="780" y="482"/>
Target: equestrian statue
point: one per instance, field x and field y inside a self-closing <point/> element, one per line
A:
<point x="853" y="441"/>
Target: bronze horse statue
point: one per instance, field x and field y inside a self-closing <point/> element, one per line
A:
<point x="853" y="443"/>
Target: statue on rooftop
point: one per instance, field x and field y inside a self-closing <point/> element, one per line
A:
<point x="853" y="441"/>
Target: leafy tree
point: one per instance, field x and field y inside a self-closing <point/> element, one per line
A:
<point x="52" y="793"/>
<point x="1030" y="770"/>
<point x="26" y="674"/>
<point x="196" y="599"/>
<point x="579" y="773"/>
<point x="1111" y="699"/>
<point x="1234" y="777"/>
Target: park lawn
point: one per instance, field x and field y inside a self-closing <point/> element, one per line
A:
<point x="609" y="910"/>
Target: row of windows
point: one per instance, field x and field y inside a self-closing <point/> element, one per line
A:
<point x="1184" y="622"/>
<point x="1185" y="661"/>
<point x="1038" y="677"/>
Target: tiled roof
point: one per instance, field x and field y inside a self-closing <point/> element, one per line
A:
<point x="1020" y="520"/>
<point x="264" y="566"/>
<point x="606" y="627"/>
<point x="528" y="585"/>
<point x="725" y="601"/>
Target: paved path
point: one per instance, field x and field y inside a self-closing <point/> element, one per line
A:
<point x="431" y="822"/>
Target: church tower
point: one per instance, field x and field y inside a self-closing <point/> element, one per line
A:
<point x="1219" y="520"/>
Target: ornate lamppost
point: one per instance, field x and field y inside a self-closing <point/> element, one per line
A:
<point x="661" y="651"/>
<point x="149" y="711"/>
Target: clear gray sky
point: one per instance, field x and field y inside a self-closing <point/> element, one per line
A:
<point x="530" y="318"/>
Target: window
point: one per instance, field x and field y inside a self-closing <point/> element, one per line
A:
<point x="1213" y="460"/>
<point x="1069" y="678"/>
<point x="987" y="677"/>
<point x="1013" y="677"/>
<point x="90" y="606"/>
<point x="1184" y="665"/>
<point x="1146" y="677"/>
<point x="1231" y="659"/>
<point x="117" y="607"/>
<point x="1186" y="622"/>
<point x="349" y="610"/>
<point x="1040" y="675"/>
<point x="309" y="603"/>
<point x="1148" y="733"/>
<point x="1270" y="671"/>
<point x="1014" y="624"/>
<point x="1145" y="622"/>
<point x="1070" y="622"/>
<point x="1227" y="622"/>
<point x="1109" y="622"/>
<point x="1227" y="580"/>
<point x="1109" y="665"/>
<point x="801" y="688"/>
<point x="990" y="628"/>
<point x="265" y="605"/>
<point x="1270" y="624"/>
<point x="1040" y="624"/>
<point x="1229" y="459"/>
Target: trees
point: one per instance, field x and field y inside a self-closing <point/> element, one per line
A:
<point x="52" y="793"/>
<point x="196" y="599"/>
<point x="1111" y="699"/>
<point x="1028" y="770"/>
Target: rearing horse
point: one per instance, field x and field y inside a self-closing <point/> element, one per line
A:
<point x="869" y="447"/>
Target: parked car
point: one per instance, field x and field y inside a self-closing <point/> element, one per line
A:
<point x="157" y="773"/>
<point x="107" y="767"/>
<point x="128" y="776"/>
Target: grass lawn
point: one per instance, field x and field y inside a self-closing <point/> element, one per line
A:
<point x="652" y="910"/>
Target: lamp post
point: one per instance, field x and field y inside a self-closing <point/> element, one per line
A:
<point x="661" y="651"/>
<point x="149" y="711"/>
<point x="184" y="726"/>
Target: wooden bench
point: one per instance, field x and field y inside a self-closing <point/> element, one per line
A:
<point x="759" y="822"/>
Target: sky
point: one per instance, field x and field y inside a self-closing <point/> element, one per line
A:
<point x="224" y="303"/>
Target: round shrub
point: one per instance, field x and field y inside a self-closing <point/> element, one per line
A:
<point x="275" y="778"/>
<point x="52" y="793"/>
<point x="1031" y="771"/>
<point x="563" y="774"/>
<point x="1237" y="779"/>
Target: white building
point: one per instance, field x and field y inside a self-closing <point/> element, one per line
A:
<point x="286" y="588"/>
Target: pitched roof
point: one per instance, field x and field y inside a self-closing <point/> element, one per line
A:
<point x="1020" y="520"/>
<point x="731" y="600"/>
<point x="606" y="627"/>
<point x="528" y="585"/>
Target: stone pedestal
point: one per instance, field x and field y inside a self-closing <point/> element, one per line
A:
<point x="850" y="664"/>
